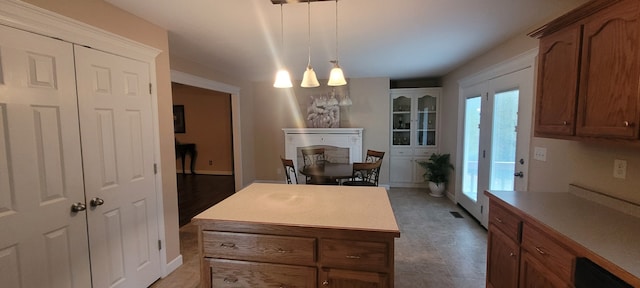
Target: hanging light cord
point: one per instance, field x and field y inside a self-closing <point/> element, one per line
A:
<point x="336" y="31"/>
<point x="281" y="29"/>
<point x="309" y="31"/>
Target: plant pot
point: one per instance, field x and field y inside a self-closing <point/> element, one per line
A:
<point x="437" y="189"/>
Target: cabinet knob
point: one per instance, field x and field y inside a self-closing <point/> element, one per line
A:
<point x="228" y="245"/>
<point x="541" y="251"/>
<point x="565" y="123"/>
<point x="498" y="219"/>
<point x="325" y="283"/>
<point x="512" y="254"/>
<point x="230" y="280"/>
<point x="628" y="124"/>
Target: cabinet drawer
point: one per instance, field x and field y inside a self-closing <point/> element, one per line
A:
<point x="354" y="254"/>
<point x="423" y="152"/>
<point x="236" y="274"/>
<point x="254" y="247"/>
<point x="401" y="152"/>
<point x="548" y="252"/>
<point x="504" y="220"/>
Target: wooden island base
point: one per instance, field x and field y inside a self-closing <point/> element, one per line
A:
<point x="299" y="236"/>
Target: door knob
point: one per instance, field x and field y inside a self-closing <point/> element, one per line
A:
<point x="95" y="202"/>
<point x="519" y="174"/>
<point x="77" y="207"/>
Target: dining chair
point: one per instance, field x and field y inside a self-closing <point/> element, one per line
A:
<point x="312" y="156"/>
<point x="289" y="170"/>
<point x="373" y="156"/>
<point x="365" y="174"/>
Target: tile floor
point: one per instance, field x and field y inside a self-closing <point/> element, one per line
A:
<point x="435" y="249"/>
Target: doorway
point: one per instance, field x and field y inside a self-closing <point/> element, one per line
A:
<point x="206" y="129"/>
<point x="495" y="136"/>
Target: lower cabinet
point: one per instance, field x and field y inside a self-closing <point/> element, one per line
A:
<point x="404" y="167"/>
<point x="521" y="253"/>
<point x="295" y="257"/>
<point x="504" y="255"/>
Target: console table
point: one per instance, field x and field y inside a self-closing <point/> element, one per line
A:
<point x="184" y="149"/>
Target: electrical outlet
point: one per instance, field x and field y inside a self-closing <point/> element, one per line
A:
<point x="540" y="154"/>
<point x="619" y="169"/>
<point x="278" y="171"/>
<point x="210" y="162"/>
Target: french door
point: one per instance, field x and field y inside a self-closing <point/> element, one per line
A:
<point x="495" y="139"/>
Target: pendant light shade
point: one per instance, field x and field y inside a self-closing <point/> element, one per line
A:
<point x="336" y="77"/>
<point x="309" y="78"/>
<point x="283" y="80"/>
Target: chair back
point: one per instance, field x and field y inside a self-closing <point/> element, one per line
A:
<point x="312" y="156"/>
<point x="289" y="170"/>
<point x="366" y="172"/>
<point x="373" y="156"/>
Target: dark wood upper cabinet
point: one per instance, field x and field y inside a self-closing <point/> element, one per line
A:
<point x="589" y="73"/>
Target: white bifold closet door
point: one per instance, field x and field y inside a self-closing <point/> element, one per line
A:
<point x="117" y="151"/>
<point x="42" y="242"/>
<point x="75" y="131"/>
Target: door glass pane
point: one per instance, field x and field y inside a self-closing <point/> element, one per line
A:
<point x="426" y="133"/>
<point x="471" y="147"/>
<point x="503" y="147"/>
<point x="401" y="120"/>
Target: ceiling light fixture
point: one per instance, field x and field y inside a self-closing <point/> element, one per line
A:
<point x="283" y="80"/>
<point x="336" y="77"/>
<point x="309" y="78"/>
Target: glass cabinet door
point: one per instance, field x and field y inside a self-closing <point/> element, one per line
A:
<point x="402" y="121"/>
<point x="426" y="130"/>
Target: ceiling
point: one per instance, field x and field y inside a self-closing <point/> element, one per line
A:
<point x="399" y="39"/>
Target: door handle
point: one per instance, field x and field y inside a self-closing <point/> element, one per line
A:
<point x="95" y="202"/>
<point x="78" y="207"/>
<point x="519" y="174"/>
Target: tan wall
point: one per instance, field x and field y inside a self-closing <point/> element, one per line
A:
<point x="286" y="108"/>
<point x="245" y="114"/>
<point x="588" y="165"/>
<point x="208" y="125"/>
<point x="110" y="18"/>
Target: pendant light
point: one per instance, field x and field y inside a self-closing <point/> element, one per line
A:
<point x="283" y="80"/>
<point x="309" y="78"/>
<point x="336" y="77"/>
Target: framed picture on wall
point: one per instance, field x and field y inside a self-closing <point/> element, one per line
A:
<point x="178" y="119"/>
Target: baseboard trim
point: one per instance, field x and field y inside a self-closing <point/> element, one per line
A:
<point x="205" y="172"/>
<point x="173" y="265"/>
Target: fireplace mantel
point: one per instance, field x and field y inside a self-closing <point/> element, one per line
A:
<point x="339" y="137"/>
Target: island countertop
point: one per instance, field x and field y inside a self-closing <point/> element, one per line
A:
<point x="318" y="206"/>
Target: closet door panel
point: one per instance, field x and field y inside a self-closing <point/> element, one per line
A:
<point x="43" y="242"/>
<point x="117" y="145"/>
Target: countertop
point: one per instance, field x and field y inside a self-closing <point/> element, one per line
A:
<point x="607" y="232"/>
<point x="339" y="207"/>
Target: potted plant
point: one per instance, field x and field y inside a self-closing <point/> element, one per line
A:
<point x="437" y="172"/>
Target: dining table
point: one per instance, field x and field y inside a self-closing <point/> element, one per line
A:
<point x="328" y="173"/>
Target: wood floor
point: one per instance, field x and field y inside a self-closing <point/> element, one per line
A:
<point x="196" y="193"/>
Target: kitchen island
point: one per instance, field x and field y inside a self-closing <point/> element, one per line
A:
<point x="279" y="235"/>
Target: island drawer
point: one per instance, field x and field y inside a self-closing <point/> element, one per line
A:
<point x="256" y="247"/>
<point x="354" y="254"/>
<point x="231" y="273"/>
<point x="505" y="220"/>
<point x="547" y="251"/>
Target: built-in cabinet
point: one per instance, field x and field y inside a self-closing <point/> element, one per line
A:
<point x="414" y="133"/>
<point x="589" y="73"/>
